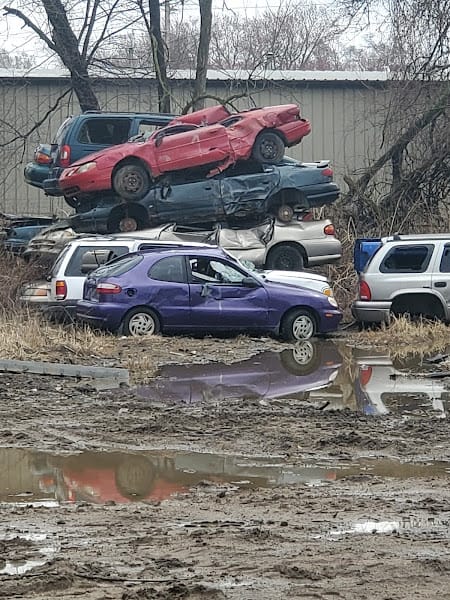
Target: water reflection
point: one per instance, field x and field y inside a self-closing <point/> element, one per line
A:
<point x="35" y="477"/>
<point x="381" y="388"/>
<point x="307" y="366"/>
<point x="329" y="375"/>
<point x="38" y="478"/>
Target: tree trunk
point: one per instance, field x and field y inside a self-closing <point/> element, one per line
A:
<point x="66" y="45"/>
<point x="202" y="53"/>
<point x="159" y="56"/>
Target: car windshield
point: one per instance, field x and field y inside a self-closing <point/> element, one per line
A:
<point x="118" y="266"/>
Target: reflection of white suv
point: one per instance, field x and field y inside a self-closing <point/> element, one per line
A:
<point x="407" y="274"/>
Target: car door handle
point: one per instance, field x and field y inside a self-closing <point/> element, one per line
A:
<point x="208" y="188"/>
<point x="440" y="284"/>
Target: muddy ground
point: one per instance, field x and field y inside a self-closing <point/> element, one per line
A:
<point x="361" y="533"/>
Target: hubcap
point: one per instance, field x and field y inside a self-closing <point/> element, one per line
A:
<point x="303" y="353"/>
<point x="132" y="182"/>
<point x="268" y="149"/>
<point x="141" y="324"/>
<point x="303" y="327"/>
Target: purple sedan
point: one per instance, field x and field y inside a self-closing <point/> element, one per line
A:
<point x="199" y="289"/>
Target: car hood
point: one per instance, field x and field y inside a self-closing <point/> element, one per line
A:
<point x="272" y="275"/>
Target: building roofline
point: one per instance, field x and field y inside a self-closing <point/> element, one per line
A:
<point x="212" y="75"/>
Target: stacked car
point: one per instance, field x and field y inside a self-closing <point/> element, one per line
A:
<point x="193" y="184"/>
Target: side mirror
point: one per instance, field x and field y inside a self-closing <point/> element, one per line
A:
<point x="250" y="282"/>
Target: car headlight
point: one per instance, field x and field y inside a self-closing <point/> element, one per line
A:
<point x="86" y="167"/>
<point x="332" y="301"/>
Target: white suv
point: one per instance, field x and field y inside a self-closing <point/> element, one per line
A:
<point x="80" y="257"/>
<point x="407" y="274"/>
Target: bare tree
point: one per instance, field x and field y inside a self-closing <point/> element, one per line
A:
<point x="75" y="40"/>
<point x="410" y="179"/>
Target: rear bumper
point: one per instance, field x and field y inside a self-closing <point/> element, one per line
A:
<point x="109" y="318"/>
<point x="371" y="312"/>
<point x="321" y="194"/>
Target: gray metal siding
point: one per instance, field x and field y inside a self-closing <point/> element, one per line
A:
<point x="346" y="123"/>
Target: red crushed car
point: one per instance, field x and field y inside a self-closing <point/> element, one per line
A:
<point x="212" y="139"/>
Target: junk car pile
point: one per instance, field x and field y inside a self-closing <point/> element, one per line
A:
<point x="210" y="180"/>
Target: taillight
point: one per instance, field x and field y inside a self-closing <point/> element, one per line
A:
<point x="60" y="290"/>
<point x="364" y="291"/>
<point x="64" y="156"/>
<point x="329" y="230"/>
<point x="108" y="288"/>
<point x="328" y="172"/>
<point x="42" y="159"/>
<point x="365" y="373"/>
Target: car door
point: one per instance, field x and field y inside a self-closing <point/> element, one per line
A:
<point x="245" y="190"/>
<point x="195" y="201"/>
<point x="175" y="149"/>
<point x="441" y="277"/>
<point x="168" y="292"/>
<point x="220" y="300"/>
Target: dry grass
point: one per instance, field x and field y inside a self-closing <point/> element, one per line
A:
<point x="27" y="335"/>
<point x="404" y="337"/>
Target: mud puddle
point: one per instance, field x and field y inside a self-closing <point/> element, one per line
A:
<point x="326" y="373"/>
<point x="40" y="479"/>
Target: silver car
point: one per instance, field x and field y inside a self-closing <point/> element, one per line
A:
<point x="272" y="245"/>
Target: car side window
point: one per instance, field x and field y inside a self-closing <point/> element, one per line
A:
<point x="407" y="259"/>
<point x="104" y="131"/>
<point x="444" y="267"/>
<point x="87" y="258"/>
<point x="169" y="269"/>
<point x="211" y="270"/>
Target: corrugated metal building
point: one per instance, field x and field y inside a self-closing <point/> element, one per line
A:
<point x="346" y="110"/>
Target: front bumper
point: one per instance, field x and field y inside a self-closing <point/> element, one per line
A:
<point x="329" y="320"/>
<point x="371" y="312"/>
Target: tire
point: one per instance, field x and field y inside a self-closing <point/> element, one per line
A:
<point x="285" y="213"/>
<point x="285" y="258"/>
<point x="268" y="148"/>
<point x="141" y="321"/>
<point x="131" y="181"/>
<point x="298" y="325"/>
<point x="303" y="359"/>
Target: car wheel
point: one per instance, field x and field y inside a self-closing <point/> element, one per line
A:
<point x="268" y="147"/>
<point x="303" y="359"/>
<point x="141" y="321"/>
<point x="135" y="476"/>
<point x="131" y="181"/>
<point x="285" y="258"/>
<point x="299" y="325"/>
<point x="285" y="213"/>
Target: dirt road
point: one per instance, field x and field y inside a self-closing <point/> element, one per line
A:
<point x="239" y="494"/>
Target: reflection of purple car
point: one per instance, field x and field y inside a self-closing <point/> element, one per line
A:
<point x="199" y="289"/>
<point x="293" y="371"/>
